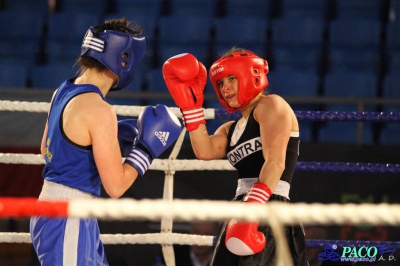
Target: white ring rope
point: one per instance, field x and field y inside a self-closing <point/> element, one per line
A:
<point x="157" y="164"/>
<point x="205" y="210"/>
<point x="114" y="239"/>
<point x="43" y="107"/>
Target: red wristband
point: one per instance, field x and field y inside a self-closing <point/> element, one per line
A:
<point x="259" y="192"/>
<point x="193" y="118"/>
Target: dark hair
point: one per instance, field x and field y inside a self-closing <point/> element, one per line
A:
<point x="234" y="49"/>
<point x="121" y="25"/>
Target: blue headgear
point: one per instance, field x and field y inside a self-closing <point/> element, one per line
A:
<point x="109" y="47"/>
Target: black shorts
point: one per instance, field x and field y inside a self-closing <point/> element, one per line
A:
<point x="267" y="257"/>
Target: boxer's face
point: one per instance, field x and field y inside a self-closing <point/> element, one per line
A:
<point x="228" y="87"/>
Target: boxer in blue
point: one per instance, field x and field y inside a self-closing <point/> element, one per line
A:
<point x="83" y="143"/>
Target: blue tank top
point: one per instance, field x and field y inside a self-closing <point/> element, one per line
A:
<point x="68" y="163"/>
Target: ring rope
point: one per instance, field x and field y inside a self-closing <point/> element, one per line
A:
<point x="328" y="116"/>
<point x="189" y="210"/>
<point x="186" y="239"/>
<point x="219" y="113"/>
<point x="197" y="165"/>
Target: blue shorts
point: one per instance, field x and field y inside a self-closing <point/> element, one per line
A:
<point x="66" y="241"/>
<point x="71" y="241"/>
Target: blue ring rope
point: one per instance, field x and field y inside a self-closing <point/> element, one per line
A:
<point x="340" y="167"/>
<point x="326" y="116"/>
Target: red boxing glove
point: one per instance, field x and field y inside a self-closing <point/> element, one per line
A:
<point x="186" y="78"/>
<point x="242" y="238"/>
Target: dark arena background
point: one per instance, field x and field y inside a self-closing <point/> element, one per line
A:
<point x="324" y="55"/>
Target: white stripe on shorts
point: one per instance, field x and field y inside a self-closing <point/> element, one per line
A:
<point x="71" y="236"/>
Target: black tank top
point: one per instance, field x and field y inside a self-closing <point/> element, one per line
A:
<point x="246" y="155"/>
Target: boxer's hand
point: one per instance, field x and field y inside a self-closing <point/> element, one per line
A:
<point x="158" y="129"/>
<point x="243" y="238"/>
<point x="127" y="135"/>
<point x="186" y="78"/>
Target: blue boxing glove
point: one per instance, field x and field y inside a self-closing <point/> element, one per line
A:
<point x="127" y="135"/>
<point x="158" y="128"/>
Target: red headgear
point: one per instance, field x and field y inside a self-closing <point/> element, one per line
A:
<point x="249" y="69"/>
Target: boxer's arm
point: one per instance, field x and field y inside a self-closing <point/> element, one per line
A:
<point x="209" y="147"/>
<point x="103" y="128"/>
<point x="274" y="116"/>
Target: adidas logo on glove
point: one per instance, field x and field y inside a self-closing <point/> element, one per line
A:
<point x="162" y="136"/>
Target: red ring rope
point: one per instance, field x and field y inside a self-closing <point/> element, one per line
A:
<point x="20" y="207"/>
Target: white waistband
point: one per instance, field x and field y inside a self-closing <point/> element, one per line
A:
<point x="244" y="185"/>
<point x="55" y="191"/>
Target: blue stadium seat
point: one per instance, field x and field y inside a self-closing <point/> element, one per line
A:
<point x="370" y="9"/>
<point x="61" y="52"/>
<point x="242" y="31"/>
<point x="293" y="83"/>
<point x="354" y="43"/>
<point x="137" y="84"/>
<point x="204" y="8"/>
<point x="297" y="43"/>
<point x="256" y="8"/>
<point x="156" y="85"/>
<point x="65" y="34"/>
<point x="70" y="27"/>
<point x="355" y="33"/>
<point x="304" y="8"/>
<point x="301" y="59"/>
<point x="345" y="132"/>
<point x="183" y="33"/>
<point x="16" y="51"/>
<point x="97" y="7"/>
<point x="50" y="76"/>
<point x="391" y="85"/>
<point x="393" y="61"/>
<point x="394" y="10"/>
<point x="393" y="37"/>
<point x="298" y="32"/>
<point x="343" y="59"/>
<point x="13" y="75"/>
<point x="389" y="134"/>
<point x="41" y="6"/>
<point x="352" y="85"/>
<point x="139" y="7"/>
<point x="185" y="29"/>
<point x="21" y="32"/>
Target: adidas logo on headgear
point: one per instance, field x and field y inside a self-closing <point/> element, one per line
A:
<point x="162" y="136"/>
